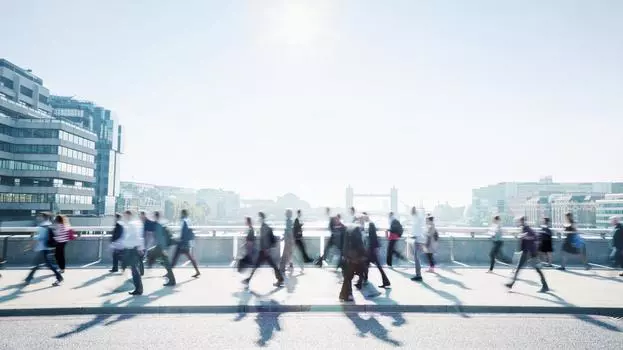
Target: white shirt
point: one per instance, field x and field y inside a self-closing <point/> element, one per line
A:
<point x="42" y="236"/>
<point x="417" y="230"/>
<point x="133" y="235"/>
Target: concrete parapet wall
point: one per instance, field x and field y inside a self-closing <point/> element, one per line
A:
<point x="221" y="249"/>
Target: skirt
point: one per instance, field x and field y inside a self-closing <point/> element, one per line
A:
<point x="546" y="246"/>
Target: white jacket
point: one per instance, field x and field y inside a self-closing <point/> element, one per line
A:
<point x="417" y="230"/>
<point x="133" y="235"/>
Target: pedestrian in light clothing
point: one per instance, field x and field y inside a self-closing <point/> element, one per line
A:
<point x="158" y="251"/>
<point x="134" y="244"/>
<point x="288" y="246"/>
<point x="432" y="242"/>
<point x="419" y="238"/>
<point x="185" y="244"/>
<point x="496" y="248"/>
<point x="43" y="250"/>
<point x="117" y="244"/>
<point x="62" y="235"/>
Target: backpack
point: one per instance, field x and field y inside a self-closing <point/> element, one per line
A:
<point x="168" y="236"/>
<point x="398" y="227"/>
<point x="273" y="238"/>
<point x="51" y="242"/>
<point x="436" y="235"/>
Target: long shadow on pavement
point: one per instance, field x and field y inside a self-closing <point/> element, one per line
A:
<point x="594" y="276"/>
<point x="372" y="326"/>
<point x="399" y="319"/>
<point x="528" y="282"/>
<point x="18" y="289"/>
<point x="451" y="281"/>
<point x="267" y="322"/>
<point x="133" y="301"/>
<point x="586" y="318"/>
<point x="93" y="281"/>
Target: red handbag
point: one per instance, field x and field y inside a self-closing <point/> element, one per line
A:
<point x="72" y="234"/>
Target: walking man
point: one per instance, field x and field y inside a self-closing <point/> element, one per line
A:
<point x="335" y="228"/>
<point x="373" y="251"/>
<point x="419" y="238"/>
<point x="298" y="236"/>
<point x="158" y="252"/>
<point x="617" y="242"/>
<point x="288" y="246"/>
<point x="498" y="243"/>
<point x="528" y="254"/>
<point x="354" y="260"/>
<point x="133" y="244"/>
<point x="267" y="242"/>
<point x="43" y="248"/>
<point x="185" y="244"/>
<point x="117" y="244"/>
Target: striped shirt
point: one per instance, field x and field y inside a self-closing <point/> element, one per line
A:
<point x="61" y="233"/>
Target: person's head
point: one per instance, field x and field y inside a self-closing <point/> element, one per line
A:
<point x="248" y="221"/>
<point x="288" y="213"/>
<point x="299" y="213"/>
<point x="328" y="211"/>
<point x="156" y="215"/>
<point x="497" y="220"/>
<point x="60" y="220"/>
<point x="390" y="216"/>
<point x="127" y="216"/>
<point x="547" y="221"/>
<point x="521" y="221"/>
<point x="430" y="219"/>
<point x="352" y="211"/>
<point x="118" y="217"/>
<point x="143" y="216"/>
<point x="366" y="217"/>
<point x="261" y="216"/>
<point x="43" y="217"/>
<point x="338" y="217"/>
<point x="184" y="213"/>
<point x="614" y="220"/>
<point x="413" y="211"/>
<point x="569" y="218"/>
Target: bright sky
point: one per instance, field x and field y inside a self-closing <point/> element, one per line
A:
<point x="268" y="97"/>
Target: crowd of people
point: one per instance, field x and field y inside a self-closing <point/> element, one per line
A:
<point x="353" y="240"/>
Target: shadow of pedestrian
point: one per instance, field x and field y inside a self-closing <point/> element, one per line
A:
<point x="372" y="326"/>
<point x="291" y="282"/>
<point x="586" y="318"/>
<point x="451" y="281"/>
<point x="93" y="281"/>
<point x="244" y="296"/>
<point x="594" y="276"/>
<point x="528" y="282"/>
<point x="268" y="323"/>
<point x="399" y="319"/>
<point x="18" y="288"/>
<point x="448" y="296"/>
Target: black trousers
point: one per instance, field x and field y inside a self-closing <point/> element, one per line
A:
<point x="391" y="251"/>
<point x="265" y="256"/>
<point x="373" y="258"/>
<point x="350" y="269"/>
<point x="431" y="259"/>
<point x="184" y="250"/>
<point x="160" y="255"/>
<point x="117" y="256"/>
<point x="496" y="253"/>
<point x="525" y="256"/>
<point x="59" y="254"/>
<point x="301" y="247"/>
<point x="133" y="259"/>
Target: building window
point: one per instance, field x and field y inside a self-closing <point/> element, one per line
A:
<point x="6" y="82"/>
<point x="43" y="99"/>
<point x="25" y="91"/>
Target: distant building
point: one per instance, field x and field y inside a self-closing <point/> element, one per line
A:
<point x="582" y="206"/>
<point x="536" y="208"/>
<point x="610" y="205"/>
<point x="45" y="163"/>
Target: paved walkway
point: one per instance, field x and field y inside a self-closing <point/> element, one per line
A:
<point x="219" y="290"/>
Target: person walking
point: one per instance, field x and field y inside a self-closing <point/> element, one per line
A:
<point x="158" y="251"/>
<point x="393" y="235"/>
<point x="498" y="243"/>
<point x="335" y="240"/>
<point x="617" y="242"/>
<point x="432" y="243"/>
<point x="267" y="242"/>
<point x="42" y="245"/>
<point x="117" y="244"/>
<point x="529" y="241"/>
<point x="573" y="244"/>
<point x="288" y="246"/>
<point x="298" y="236"/>
<point x="150" y="228"/>
<point x="419" y="242"/>
<point x="373" y="251"/>
<point x="62" y="234"/>
<point x="249" y="253"/>
<point x="546" y="248"/>
<point x="355" y="258"/>
<point x="185" y="244"/>
<point x="134" y="244"/>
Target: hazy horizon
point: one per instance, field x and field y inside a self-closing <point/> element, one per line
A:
<point x="308" y="97"/>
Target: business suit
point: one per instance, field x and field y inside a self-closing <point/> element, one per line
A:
<point x="373" y="256"/>
<point x="117" y="251"/>
<point x="298" y="240"/>
<point x="354" y="254"/>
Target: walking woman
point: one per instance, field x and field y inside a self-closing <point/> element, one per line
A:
<point x="432" y="242"/>
<point x="546" y="248"/>
<point x="62" y="235"/>
<point x="573" y="243"/>
<point x="249" y="248"/>
<point x="185" y="244"/>
<point x="496" y="248"/>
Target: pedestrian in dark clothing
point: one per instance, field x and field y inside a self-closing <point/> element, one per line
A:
<point x="249" y="248"/>
<point x="298" y="236"/>
<point x="355" y="259"/>
<point x="185" y="244"/>
<point x="43" y="237"/>
<point x="158" y="252"/>
<point x="116" y="244"/>
<point x="529" y="241"/>
<point x="373" y="252"/>
<point x="617" y="242"/>
<point x="546" y="247"/>
<point x="335" y="228"/>
<point x="393" y="235"/>
<point x="267" y="242"/>
<point x="573" y="243"/>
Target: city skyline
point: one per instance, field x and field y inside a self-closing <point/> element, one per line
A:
<point x="224" y="81"/>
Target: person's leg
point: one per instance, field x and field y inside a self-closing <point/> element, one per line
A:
<point x="49" y="262"/>
<point x="493" y="254"/>
<point x="136" y="274"/>
<point x="141" y="264"/>
<point x="301" y="246"/>
<point x="164" y="260"/>
<point x="416" y="257"/>
<point x="176" y="256"/>
<point x="260" y="260"/>
<point x="347" y="285"/>
<point x="115" y="261"/>
<point x="522" y="262"/>
<point x="285" y="257"/>
<point x="535" y="264"/>
<point x="192" y="260"/>
<point x="272" y="264"/>
<point x="37" y="260"/>
<point x="59" y="254"/>
<point x="390" y="252"/>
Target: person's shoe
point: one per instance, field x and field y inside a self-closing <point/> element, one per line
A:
<point x="62" y="271"/>
<point x="291" y="266"/>
<point x="416" y="278"/>
<point x="113" y="271"/>
<point x="490" y="271"/>
<point x="385" y="286"/>
<point x="136" y="293"/>
<point x="588" y="267"/>
<point x="169" y="284"/>
<point x="57" y="283"/>
<point x="509" y="285"/>
<point x="621" y="274"/>
<point x="348" y="299"/>
<point x="318" y="262"/>
<point x="279" y="283"/>
<point x="246" y="281"/>
<point x="544" y="289"/>
<point x="431" y="270"/>
<point x="562" y="268"/>
<point x="358" y="286"/>
<point x="197" y="275"/>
